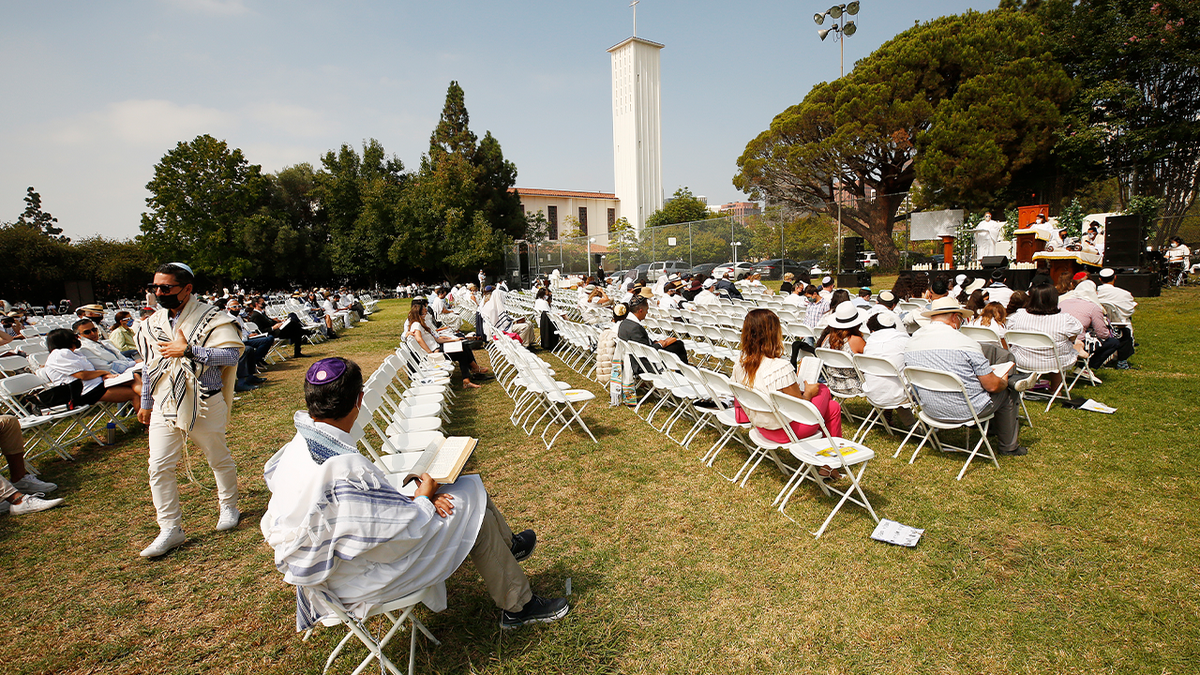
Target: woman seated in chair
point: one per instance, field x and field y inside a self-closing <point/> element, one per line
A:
<point x="415" y="328"/>
<point x="994" y="316"/>
<point x="122" y="335"/>
<point x="843" y="334"/>
<point x="64" y="366"/>
<point x="1042" y="314"/>
<point x="762" y="367"/>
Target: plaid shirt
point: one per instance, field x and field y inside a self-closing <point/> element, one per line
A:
<point x="816" y="311"/>
<point x="939" y="347"/>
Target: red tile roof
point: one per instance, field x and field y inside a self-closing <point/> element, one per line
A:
<point x="573" y="194"/>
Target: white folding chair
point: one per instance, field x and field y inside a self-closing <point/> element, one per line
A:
<point x="875" y="366"/>
<point x="817" y="451"/>
<point x="398" y="612"/>
<point x="833" y="358"/>
<point x="1019" y="340"/>
<point x="754" y="401"/>
<point x="948" y="384"/>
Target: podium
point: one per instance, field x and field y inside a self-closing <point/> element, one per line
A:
<point x="1028" y="244"/>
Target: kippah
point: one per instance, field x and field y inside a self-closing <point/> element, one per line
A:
<point x="886" y="296"/>
<point x="825" y="281"/>
<point x="179" y="264"/>
<point x="1107" y="272"/>
<point x="488" y="289"/>
<point x="886" y="319"/>
<point x="325" y="371"/>
<point x="1080" y="276"/>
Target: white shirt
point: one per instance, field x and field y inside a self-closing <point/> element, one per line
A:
<point x="1178" y="253"/>
<point x="772" y="375"/>
<point x="103" y="357"/>
<point x="795" y="299"/>
<point x="706" y="297"/>
<point x="998" y="292"/>
<point x="540" y="305"/>
<point x="889" y="344"/>
<point x="1121" y="300"/>
<point x="668" y="302"/>
<point x="62" y="364"/>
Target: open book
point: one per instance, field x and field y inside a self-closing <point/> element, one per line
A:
<point x="1003" y="369"/>
<point x="443" y="463"/>
<point x="452" y="347"/>
<point x="124" y="378"/>
<point x="809" y="370"/>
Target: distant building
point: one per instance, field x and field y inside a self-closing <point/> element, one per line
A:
<point x="739" y="209"/>
<point x="595" y="211"/>
<point x="637" y="136"/>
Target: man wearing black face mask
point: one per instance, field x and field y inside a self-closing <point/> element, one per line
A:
<point x="192" y="350"/>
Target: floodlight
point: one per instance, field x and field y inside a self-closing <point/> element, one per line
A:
<point x="824" y="32"/>
<point x="835" y="11"/>
<point x="849" y="29"/>
<point x="852" y="8"/>
<point x="819" y="18"/>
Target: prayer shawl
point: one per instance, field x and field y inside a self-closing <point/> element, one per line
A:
<point x="175" y="383"/>
<point x="345" y="537"/>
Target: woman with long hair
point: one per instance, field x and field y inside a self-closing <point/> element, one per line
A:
<point x="762" y="367"/>
<point x="417" y="332"/>
<point x="976" y="301"/>
<point x="1016" y="301"/>
<point x="844" y="334"/>
<point x="994" y="316"/>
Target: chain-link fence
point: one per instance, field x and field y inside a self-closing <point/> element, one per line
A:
<point x="808" y="239"/>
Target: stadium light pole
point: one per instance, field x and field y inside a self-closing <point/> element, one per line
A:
<point x="844" y="29"/>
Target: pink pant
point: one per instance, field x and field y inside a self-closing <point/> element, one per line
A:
<point x="830" y="409"/>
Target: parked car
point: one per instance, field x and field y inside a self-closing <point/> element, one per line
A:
<point x="777" y="267"/>
<point x="703" y="268"/>
<point x="640" y="272"/>
<point x="743" y="270"/>
<point x="668" y="267"/>
<point x="868" y="259"/>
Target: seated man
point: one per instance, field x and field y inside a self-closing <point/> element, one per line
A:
<point x="726" y="288"/>
<point x="1123" y="306"/>
<point x="939" y="346"/>
<point x="101" y="356"/>
<point x="288" y="328"/>
<point x="630" y="328"/>
<point x="254" y="356"/>
<point x="342" y="533"/>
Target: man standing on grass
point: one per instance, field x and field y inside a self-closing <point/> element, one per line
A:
<point x="192" y="351"/>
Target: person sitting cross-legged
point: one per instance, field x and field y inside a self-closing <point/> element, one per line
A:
<point x="343" y="534"/>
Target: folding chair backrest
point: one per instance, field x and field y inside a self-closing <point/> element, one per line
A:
<point x="1032" y="339"/>
<point x="980" y="333"/>
<point x="875" y="365"/>
<point x="791" y="409"/>
<point x="751" y="399"/>
<point x="12" y="364"/>
<point x="833" y="358"/>
<point x="934" y="380"/>
<point x="717" y="383"/>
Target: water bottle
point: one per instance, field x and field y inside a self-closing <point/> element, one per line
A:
<point x="111" y="432"/>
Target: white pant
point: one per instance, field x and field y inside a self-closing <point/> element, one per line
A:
<point x="166" y="449"/>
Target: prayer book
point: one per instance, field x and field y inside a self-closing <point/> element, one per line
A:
<point x="124" y="378"/>
<point x="809" y="370"/>
<point x="891" y="532"/>
<point x="452" y="347"/>
<point x="443" y="463"/>
<point x="1003" y="369"/>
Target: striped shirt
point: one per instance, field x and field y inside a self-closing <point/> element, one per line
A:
<point x="816" y="310"/>
<point x="1063" y="327"/>
<point x="938" y="346"/>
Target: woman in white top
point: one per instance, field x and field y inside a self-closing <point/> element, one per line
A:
<point x="1042" y="314"/>
<point x="993" y="316"/>
<point x="64" y="366"/>
<point x="762" y="367"/>
<point x="417" y="333"/>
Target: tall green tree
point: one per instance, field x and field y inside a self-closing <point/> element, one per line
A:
<point x="298" y="249"/>
<point x="33" y="216"/>
<point x="683" y="207"/>
<point x="204" y="198"/>
<point x="458" y="213"/>
<point x="1137" y="112"/>
<point x="948" y="101"/>
<point x="358" y="197"/>
<point x="35" y="264"/>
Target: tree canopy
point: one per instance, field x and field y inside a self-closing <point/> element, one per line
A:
<point x="683" y="207"/>
<point x="962" y="102"/>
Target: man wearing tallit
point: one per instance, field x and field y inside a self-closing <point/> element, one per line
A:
<point x="345" y="537"/>
<point x="192" y="350"/>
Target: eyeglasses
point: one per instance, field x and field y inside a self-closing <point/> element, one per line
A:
<point x="88" y="331"/>
<point x="161" y="288"/>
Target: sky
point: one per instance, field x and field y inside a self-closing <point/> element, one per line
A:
<point x="95" y="93"/>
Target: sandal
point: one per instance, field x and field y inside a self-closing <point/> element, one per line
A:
<point x="829" y="472"/>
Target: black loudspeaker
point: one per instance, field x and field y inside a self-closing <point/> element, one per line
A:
<point x="523" y="266"/>
<point x="1140" y="285"/>
<point x="1123" y="241"/>
<point x="991" y="262"/>
<point x="852" y="248"/>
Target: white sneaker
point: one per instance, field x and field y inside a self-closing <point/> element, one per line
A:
<point x="33" y="504"/>
<point x="166" y="540"/>
<point x="30" y="484"/>
<point x="230" y="515"/>
<point x="1023" y="384"/>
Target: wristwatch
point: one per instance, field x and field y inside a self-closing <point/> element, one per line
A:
<point x="188" y="353"/>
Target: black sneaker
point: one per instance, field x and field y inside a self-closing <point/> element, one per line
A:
<point x="523" y="544"/>
<point x="542" y="610"/>
<point x="1015" y="452"/>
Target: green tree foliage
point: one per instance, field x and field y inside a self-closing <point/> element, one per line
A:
<point x="39" y="220"/>
<point x="358" y="198"/>
<point x="298" y="252"/>
<point x="683" y="207"/>
<point x="950" y="101"/>
<point x="802" y="237"/>
<point x="1137" y="113"/>
<point x="458" y="213"/>
<point x="116" y="269"/>
<point x="35" y="264"/>
<point x="205" y="202"/>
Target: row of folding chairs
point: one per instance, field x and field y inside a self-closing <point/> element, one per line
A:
<point x="55" y="429"/>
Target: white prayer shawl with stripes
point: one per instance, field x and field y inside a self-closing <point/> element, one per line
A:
<point x="342" y="534"/>
<point x="175" y="383"/>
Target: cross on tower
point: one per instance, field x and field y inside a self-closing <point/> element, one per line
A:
<point x="634" y="5"/>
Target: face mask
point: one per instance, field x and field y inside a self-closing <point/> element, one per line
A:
<point x="128" y="323"/>
<point x="169" y="301"/>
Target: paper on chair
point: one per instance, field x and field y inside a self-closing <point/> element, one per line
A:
<point x="452" y="347"/>
<point x="896" y="533"/>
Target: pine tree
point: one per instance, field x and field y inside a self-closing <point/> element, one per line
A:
<point x="35" y="217"/>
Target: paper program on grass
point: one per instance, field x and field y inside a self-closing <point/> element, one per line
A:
<point x="891" y="532"/>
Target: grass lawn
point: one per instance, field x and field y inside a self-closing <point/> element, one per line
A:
<point x="1081" y="557"/>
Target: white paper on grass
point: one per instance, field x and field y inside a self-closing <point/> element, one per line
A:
<point x="896" y="533"/>
<point x="1096" y="406"/>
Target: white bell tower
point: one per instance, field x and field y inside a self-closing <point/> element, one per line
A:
<point x="637" y="138"/>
